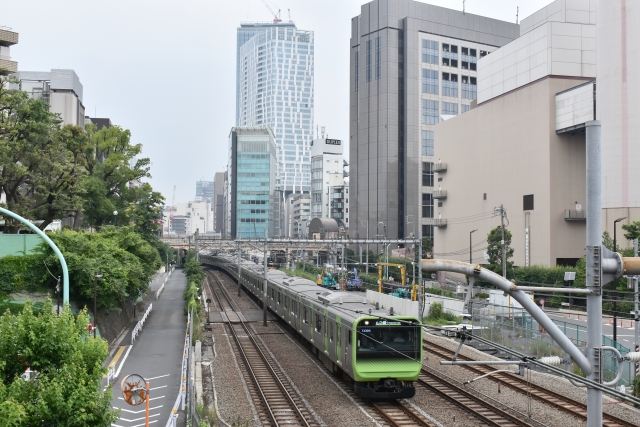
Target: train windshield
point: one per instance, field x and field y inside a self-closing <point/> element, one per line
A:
<point x="383" y="339"/>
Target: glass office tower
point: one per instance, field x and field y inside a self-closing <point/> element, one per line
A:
<point x="274" y="88"/>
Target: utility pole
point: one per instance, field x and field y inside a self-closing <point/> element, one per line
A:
<point x="502" y="244"/>
<point x="196" y="244"/>
<point x="266" y="296"/>
<point x="615" y="295"/>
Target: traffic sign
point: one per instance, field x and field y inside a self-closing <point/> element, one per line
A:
<point x="134" y="389"/>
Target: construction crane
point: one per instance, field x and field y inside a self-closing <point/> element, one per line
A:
<point x="276" y="16"/>
<point x="171" y="209"/>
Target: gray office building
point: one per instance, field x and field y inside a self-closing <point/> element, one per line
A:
<point x="412" y="65"/>
<point x="204" y="190"/>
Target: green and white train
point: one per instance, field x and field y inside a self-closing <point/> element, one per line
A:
<point x="381" y="353"/>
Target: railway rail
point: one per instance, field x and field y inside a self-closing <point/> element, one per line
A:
<point x="521" y="385"/>
<point x="398" y="414"/>
<point x="483" y="410"/>
<point x="280" y="404"/>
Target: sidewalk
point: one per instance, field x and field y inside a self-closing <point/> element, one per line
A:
<point x="156" y="355"/>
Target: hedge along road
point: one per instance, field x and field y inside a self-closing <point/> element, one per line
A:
<point x="156" y="355"/>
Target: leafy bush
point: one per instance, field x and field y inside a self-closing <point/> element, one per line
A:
<point x="482" y="295"/>
<point x="442" y="292"/>
<point x="67" y="362"/>
<point x="435" y="311"/>
<point x="125" y="260"/>
<point x="19" y="273"/>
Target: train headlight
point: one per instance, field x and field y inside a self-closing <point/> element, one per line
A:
<point x="366" y="322"/>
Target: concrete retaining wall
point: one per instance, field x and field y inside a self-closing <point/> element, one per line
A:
<point x="406" y="307"/>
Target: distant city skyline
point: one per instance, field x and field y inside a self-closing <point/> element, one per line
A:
<point x="178" y="96"/>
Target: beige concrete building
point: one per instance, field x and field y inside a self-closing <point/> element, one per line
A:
<point x="514" y="157"/>
<point x="8" y="38"/>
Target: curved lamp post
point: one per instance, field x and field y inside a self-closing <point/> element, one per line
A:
<point x="63" y="263"/>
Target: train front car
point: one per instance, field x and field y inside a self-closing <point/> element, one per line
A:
<point x="388" y="356"/>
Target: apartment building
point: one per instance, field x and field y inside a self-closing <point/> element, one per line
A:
<point x="8" y="38"/>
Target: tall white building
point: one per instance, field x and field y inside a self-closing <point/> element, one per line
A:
<point x="327" y="171"/>
<point x="274" y="88"/>
<point x="189" y="216"/>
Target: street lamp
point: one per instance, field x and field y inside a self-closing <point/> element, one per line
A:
<point x="470" y="250"/>
<point x="115" y="215"/>
<point x="615" y="299"/>
<point x="96" y="276"/>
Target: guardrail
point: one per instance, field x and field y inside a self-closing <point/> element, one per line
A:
<point x="111" y="371"/>
<point x="180" y="401"/>
<point x="164" y="282"/>
<point x="140" y="324"/>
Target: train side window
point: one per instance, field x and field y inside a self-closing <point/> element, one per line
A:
<point x="331" y="333"/>
<point x="305" y="315"/>
<point x="338" y="332"/>
<point x="285" y="302"/>
<point x="318" y="322"/>
<point x="273" y="294"/>
<point x="349" y="342"/>
<point x="278" y="298"/>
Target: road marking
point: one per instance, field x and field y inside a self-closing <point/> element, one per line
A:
<point x="122" y="363"/>
<point x="115" y="359"/>
<point x="155" y="378"/>
<point x="138" y="419"/>
<point x="137" y="412"/>
<point x="137" y="425"/>
<point x="153" y="398"/>
<point x="155" y="388"/>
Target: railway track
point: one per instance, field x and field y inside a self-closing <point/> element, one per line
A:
<point x="398" y="414"/>
<point x="521" y="385"/>
<point x="280" y="404"/>
<point x="486" y="412"/>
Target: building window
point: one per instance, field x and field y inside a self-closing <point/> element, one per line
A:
<point x="427" y="205"/>
<point x="357" y="70"/>
<point x="427" y="232"/>
<point x="430" y="51"/>
<point x="465" y="108"/>
<point x="429" y="81"/>
<point x="469" y="87"/>
<point x="427" y="175"/>
<point x="427" y="143"/>
<point x="450" y="85"/>
<point x="430" y="110"/>
<point x="449" y="55"/>
<point x="527" y="202"/>
<point x="450" y="108"/>
<point x="378" y="60"/>
<point x="368" y="60"/>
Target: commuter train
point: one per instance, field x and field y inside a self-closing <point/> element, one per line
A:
<point x="378" y="352"/>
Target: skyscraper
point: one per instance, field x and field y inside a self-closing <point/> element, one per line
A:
<point x="274" y="88"/>
<point x="411" y="64"/>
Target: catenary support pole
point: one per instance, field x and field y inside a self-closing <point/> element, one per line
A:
<point x="265" y="299"/>
<point x="636" y="314"/>
<point x="594" y="238"/>
<point x="503" y="244"/>
<point x="420" y="284"/>
<point x="239" y="259"/>
<point x="63" y="263"/>
<point x="196" y="245"/>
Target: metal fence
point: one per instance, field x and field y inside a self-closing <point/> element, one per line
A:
<point x="523" y="333"/>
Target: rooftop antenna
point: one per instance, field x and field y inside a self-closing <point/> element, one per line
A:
<point x="323" y="127"/>
<point x="517" y="13"/>
<point x="316" y="131"/>
<point x="290" y="20"/>
<point x="463" y="9"/>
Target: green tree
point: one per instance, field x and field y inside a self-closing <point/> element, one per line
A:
<point x="123" y="257"/>
<point x="41" y="164"/>
<point x="113" y="164"/>
<point x="66" y="364"/>
<point x="632" y="230"/>
<point x="494" y="250"/>
<point x="145" y="214"/>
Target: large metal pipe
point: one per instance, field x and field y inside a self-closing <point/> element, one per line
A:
<point x="594" y="238"/>
<point x="433" y="265"/>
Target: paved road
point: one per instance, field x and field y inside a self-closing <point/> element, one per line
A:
<point x="625" y="333"/>
<point x="156" y="355"/>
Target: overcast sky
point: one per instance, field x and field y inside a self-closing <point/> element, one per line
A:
<point x="165" y="69"/>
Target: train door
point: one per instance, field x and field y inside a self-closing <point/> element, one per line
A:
<point x="348" y="348"/>
<point x="338" y="343"/>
